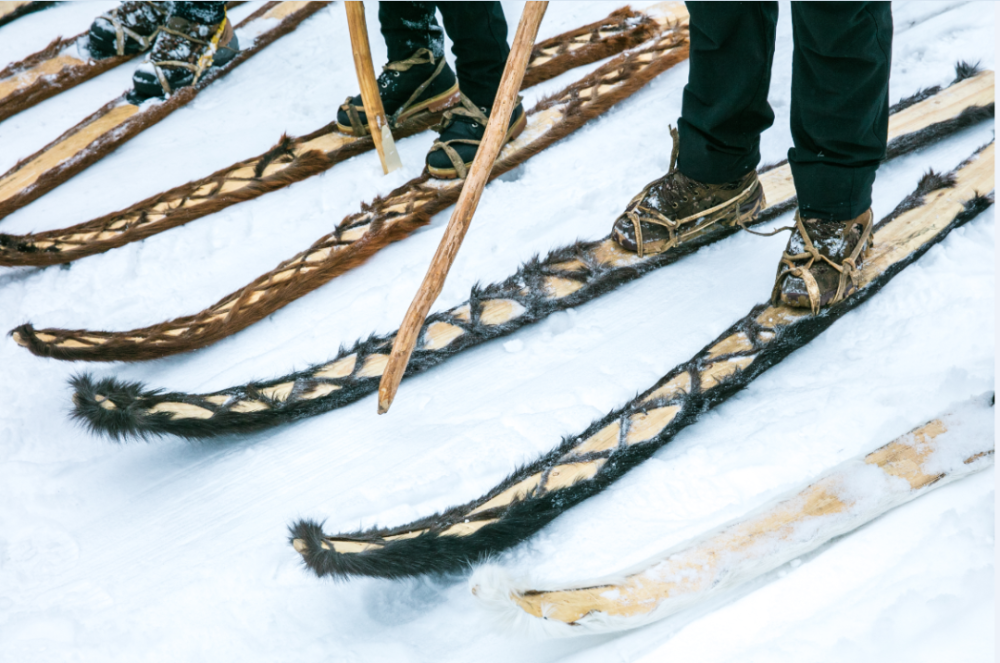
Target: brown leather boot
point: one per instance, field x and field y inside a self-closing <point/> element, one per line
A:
<point x="675" y="209"/>
<point x="822" y="262"/>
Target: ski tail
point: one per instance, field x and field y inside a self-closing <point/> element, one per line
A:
<point x="844" y="498"/>
<point x="585" y="465"/>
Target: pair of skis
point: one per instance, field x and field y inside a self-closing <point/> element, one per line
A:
<point x="586" y="464"/>
<point x="60" y="66"/>
<point x="566" y="278"/>
<point x="119" y="121"/>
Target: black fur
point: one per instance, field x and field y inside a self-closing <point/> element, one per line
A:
<point x="431" y="553"/>
<point x="963" y="70"/>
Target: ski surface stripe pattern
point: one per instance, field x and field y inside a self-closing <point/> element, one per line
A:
<point x="586" y="464"/>
<point x="295" y="159"/>
<point x="119" y="121"/>
<point x="567" y="278"/>
<point x="841" y="500"/>
<point x="361" y="234"/>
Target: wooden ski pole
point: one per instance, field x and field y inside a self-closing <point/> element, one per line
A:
<point x="378" y="125"/>
<point x="496" y="130"/>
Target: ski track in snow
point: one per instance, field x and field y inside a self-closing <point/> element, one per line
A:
<point x="177" y="551"/>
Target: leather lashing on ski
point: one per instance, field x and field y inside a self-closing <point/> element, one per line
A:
<point x="119" y="121"/>
<point x="51" y="71"/>
<point x="566" y="278"/>
<point x="11" y="11"/>
<point x="361" y="234"/>
<point x="295" y="159"/>
<point x="586" y="464"/>
<point x="844" y="498"/>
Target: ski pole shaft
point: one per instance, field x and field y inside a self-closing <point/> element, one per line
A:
<point x="378" y="125"/>
<point x="461" y="218"/>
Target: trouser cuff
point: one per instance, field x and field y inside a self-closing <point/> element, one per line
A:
<point x="832" y="193"/>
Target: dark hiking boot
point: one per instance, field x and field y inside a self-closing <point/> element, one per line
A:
<point x="462" y="131"/>
<point x="127" y="29"/>
<point x="183" y="51"/>
<point x="407" y="87"/>
<point x="822" y="262"/>
<point x="675" y="209"/>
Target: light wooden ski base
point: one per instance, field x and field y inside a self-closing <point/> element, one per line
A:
<point x="850" y="495"/>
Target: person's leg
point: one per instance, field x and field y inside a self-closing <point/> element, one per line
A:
<point x="840" y="104"/>
<point x="478" y="31"/>
<point x="408" y="26"/>
<point x="416" y="81"/>
<point x="724" y="108"/>
<point x="840" y="121"/>
<point x="724" y="111"/>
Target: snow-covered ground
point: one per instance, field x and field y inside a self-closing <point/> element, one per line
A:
<point x="177" y="551"/>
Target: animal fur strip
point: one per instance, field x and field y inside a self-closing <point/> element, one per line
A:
<point x="119" y="121"/>
<point x="295" y="159"/>
<point x="13" y="10"/>
<point x="568" y="277"/>
<point x="586" y="464"/>
<point x="361" y="234"/>
<point x="63" y="64"/>
<point x="841" y="500"/>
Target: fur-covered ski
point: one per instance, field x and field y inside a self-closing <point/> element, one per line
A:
<point x="118" y="121"/>
<point x="361" y="234"/>
<point x="295" y="159"/>
<point x="10" y="11"/>
<point x="567" y="278"/>
<point x="584" y="465"/>
<point x="841" y="500"/>
<point x="63" y="64"/>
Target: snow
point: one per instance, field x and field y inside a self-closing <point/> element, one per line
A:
<point x="178" y="551"/>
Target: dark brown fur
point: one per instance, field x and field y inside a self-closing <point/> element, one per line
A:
<point x="632" y="34"/>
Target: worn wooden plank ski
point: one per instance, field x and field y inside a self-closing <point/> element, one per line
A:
<point x="11" y="10"/>
<point x="361" y="234"/>
<point x="843" y="499"/>
<point x="295" y="159"/>
<point x="585" y="464"/>
<point x="60" y="66"/>
<point x="119" y="121"/>
<point x="568" y="277"/>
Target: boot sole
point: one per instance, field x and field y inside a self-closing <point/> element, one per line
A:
<point x="451" y="173"/>
<point x="435" y="104"/>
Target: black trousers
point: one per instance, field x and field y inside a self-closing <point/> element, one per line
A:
<point x="478" y="31"/>
<point x="840" y="97"/>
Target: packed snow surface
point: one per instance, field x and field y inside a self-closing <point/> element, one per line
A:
<point x="178" y="551"/>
